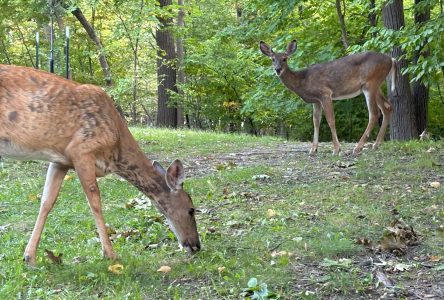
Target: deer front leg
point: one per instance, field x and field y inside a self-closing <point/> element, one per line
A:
<point x="317" y="116"/>
<point x="85" y="168"/>
<point x="327" y="104"/>
<point x="54" y="179"/>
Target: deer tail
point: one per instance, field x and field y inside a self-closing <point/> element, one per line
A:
<point x="393" y="74"/>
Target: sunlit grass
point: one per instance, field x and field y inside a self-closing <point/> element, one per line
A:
<point x="306" y="207"/>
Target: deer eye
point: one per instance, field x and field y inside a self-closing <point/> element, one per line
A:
<point x="284" y="59"/>
<point x="191" y="211"/>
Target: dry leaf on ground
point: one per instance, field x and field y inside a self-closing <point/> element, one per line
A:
<point x="116" y="269"/>
<point x="164" y="269"/>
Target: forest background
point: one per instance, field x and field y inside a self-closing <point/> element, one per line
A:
<point x="196" y="63"/>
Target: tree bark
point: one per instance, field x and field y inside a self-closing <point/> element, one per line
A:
<point x="92" y="34"/>
<point x="5" y="50"/>
<point x="372" y="16"/>
<point x="166" y="71"/>
<point x="341" y="15"/>
<point x="420" y="91"/>
<point x="403" y="123"/>
<point x="180" y="69"/>
<point x="22" y="38"/>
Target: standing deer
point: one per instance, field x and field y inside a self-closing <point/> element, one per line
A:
<point x="343" y="78"/>
<point x="76" y="126"/>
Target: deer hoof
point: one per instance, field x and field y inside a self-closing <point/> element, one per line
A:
<point x="375" y="146"/>
<point x="29" y="260"/>
<point x="356" y="151"/>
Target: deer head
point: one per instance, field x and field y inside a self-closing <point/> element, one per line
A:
<point x="279" y="59"/>
<point x="180" y="210"/>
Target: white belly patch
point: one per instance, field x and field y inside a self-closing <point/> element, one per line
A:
<point x="14" y="151"/>
<point x="347" y="96"/>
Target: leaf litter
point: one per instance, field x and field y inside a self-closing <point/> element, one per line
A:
<point x="393" y="254"/>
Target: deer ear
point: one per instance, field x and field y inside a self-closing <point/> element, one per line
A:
<point x="291" y="48"/>
<point x="159" y="168"/>
<point x="265" y="49"/>
<point x="175" y="175"/>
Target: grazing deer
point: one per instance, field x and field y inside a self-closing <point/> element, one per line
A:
<point x="76" y="126"/>
<point x="343" y="78"/>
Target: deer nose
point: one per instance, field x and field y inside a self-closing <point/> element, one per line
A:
<point x="278" y="70"/>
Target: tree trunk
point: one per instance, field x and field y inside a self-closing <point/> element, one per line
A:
<point x="420" y="91"/>
<point x="180" y="70"/>
<point x="372" y="16"/>
<point x="341" y="15"/>
<point x="22" y="38"/>
<point x="92" y="34"/>
<point x="166" y="72"/>
<point x="5" y="51"/>
<point x="403" y="123"/>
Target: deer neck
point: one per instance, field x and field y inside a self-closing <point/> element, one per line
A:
<point x="291" y="80"/>
<point x="133" y="165"/>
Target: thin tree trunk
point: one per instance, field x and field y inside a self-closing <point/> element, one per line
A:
<point x="22" y="38"/>
<point x="5" y="50"/>
<point x="135" y="48"/>
<point x="166" y="71"/>
<point x="372" y="16"/>
<point x="92" y="34"/>
<point x="403" y="123"/>
<point x="420" y="91"/>
<point x="180" y="69"/>
<point x="341" y="15"/>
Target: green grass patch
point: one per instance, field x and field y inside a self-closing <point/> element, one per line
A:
<point x="288" y="220"/>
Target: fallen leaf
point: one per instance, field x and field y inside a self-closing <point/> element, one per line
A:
<point x="281" y="253"/>
<point x="402" y="267"/>
<point x="54" y="258"/>
<point x="365" y="242"/>
<point x="435" y="184"/>
<point x="116" y="269"/>
<point x="68" y="177"/>
<point x="164" y="269"/>
<point x="431" y="149"/>
<point x="4" y="227"/>
<point x="271" y="213"/>
<point x="261" y="177"/>
<point x="392" y="243"/>
<point x="435" y="258"/>
<point x="32" y="197"/>
<point x="221" y="269"/>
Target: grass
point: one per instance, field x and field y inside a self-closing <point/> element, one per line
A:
<point x="279" y="229"/>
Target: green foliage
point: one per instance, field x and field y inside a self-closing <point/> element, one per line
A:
<point x="229" y="84"/>
<point x="304" y="250"/>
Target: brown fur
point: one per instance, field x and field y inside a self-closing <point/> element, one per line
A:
<point x="342" y="78"/>
<point x="72" y="125"/>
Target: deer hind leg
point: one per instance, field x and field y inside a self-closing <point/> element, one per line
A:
<point x="317" y="116"/>
<point x="54" y="179"/>
<point x="327" y="105"/>
<point x="386" y="108"/>
<point x="373" y="114"/>
<point x="84" y="164"/>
